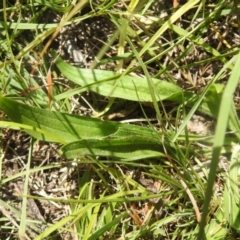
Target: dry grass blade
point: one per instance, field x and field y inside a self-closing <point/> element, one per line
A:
<point x="165" y="73"/>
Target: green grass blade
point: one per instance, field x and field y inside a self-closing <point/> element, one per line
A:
<point x="223" y="118"/>
<point x="99" y="233"/>
<point x="122" y="196"/>
<point x="205" y="104"/>
<point x="168" y="24"/>
<point x="231" y="191"/>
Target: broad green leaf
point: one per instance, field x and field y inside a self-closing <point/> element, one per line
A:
<point x="129" y="87"/>
<point x="68" y="128"/>
<point x="137" y="89"/>
<point x="133" y="147"/>
<point x="28" y="128"/>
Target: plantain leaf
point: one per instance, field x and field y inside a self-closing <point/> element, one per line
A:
<point x="68" y="128"/>
<point x="133" y="147"/>
<point x="110" y="84"/>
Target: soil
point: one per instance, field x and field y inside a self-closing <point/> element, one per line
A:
<point x="79" y="44"/>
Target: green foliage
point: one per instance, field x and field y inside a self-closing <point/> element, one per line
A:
<point x="108" y="203"/>
<point x="110" y="84"/>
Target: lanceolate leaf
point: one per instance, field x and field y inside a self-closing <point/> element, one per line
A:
<point x="108" y="83"/>
<point x="133" y="147"/>
<point x="68" y="128"/>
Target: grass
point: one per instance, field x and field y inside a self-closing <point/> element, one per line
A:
<point x="111" y="179"/>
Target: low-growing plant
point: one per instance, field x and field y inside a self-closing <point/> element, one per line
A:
<point x="131" y="181"/>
